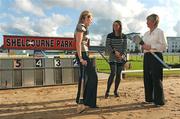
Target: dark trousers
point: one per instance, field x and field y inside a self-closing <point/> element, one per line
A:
<point x="90" y="82"/>
<point x="116" y="69"/>
<point x="153" y="77"/>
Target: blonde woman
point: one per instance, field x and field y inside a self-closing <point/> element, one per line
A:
<point x="154" y="41"/>
<point x="87" y="70"/>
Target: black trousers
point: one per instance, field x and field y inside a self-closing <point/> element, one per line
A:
<point x="90" y="83"/>
<point x="153" y="77"/>
<point x="116" y="69"/>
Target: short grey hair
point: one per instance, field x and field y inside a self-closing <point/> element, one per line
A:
<point x="154" y="17"/>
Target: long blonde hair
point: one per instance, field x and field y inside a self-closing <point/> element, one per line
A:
<point x="83" y="15"/>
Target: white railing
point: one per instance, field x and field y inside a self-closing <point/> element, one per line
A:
<point x="137" y="71"/>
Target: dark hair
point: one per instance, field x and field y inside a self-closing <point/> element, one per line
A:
<point x="120" y="30"/>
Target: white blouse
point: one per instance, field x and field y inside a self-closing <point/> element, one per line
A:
<point x="156" y="39"/>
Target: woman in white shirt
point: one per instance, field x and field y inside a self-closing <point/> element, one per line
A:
<point x="154" y="41"/>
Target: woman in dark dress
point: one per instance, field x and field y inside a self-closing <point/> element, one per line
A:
<point x="87" y="68"/>
<point x="116" y="45"/>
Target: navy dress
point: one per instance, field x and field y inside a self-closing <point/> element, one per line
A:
<point x="90" y="83"/>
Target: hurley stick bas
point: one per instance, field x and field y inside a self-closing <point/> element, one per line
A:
<point x="103" y="56"/>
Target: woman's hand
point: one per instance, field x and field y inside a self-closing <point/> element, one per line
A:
<point x="118" y="55"/>
<point x="146" y="47"/>
<point x="83" y="62"/>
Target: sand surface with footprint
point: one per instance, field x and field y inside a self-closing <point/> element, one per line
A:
<point x="58" y="102"/>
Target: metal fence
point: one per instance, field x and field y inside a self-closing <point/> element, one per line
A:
<point x="168" y="57"/>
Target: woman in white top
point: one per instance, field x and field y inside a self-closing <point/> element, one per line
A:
<point x="154" y="41"/>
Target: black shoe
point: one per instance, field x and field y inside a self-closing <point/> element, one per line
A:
<point x="106" y="96"/>
<point x="150" y="101"/>
<point x="146" y="102"/>
<point x="159" y="104"/>
<point x="116" y="94"/>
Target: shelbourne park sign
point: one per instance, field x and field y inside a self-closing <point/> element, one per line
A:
<point x="38" y="43"/>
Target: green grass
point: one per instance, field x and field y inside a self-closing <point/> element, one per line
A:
<point x="137" y="64"/>
<point x="172" y="59"/>
<point x="166" y="73"/>
<point x="102" y="65"/>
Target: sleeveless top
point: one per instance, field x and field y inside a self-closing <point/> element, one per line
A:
<point x="82" y="28"/>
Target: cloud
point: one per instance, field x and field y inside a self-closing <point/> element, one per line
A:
<point x="167" y="11"/>
<point x="177" y="28"/>
<point x="47" y="26"/>
<point x="96" y="39"/>
<point x="67" y="34"/>
<point x="20" y="26"/>
<point x="132" y="13"/>
<point x="62" y="3"/>
<point x="174" y="18"/>
<point x="106" y="11"/>
<point x="29" y="7"/>
<point x="101" y="26"/>
<point x="39" y="18"/>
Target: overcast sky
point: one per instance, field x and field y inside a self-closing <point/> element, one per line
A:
<point x="59" y="17"/>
